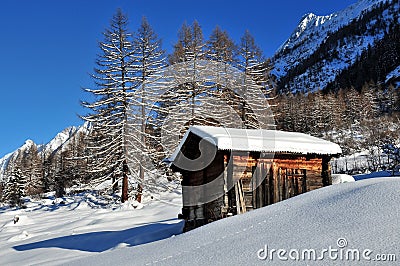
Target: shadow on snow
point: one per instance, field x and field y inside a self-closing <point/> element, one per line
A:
<point x="104" y="240"/>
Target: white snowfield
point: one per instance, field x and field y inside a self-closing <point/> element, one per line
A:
<point x="347" y="218"/>
<point x="337" y="223"/>
<point x="47" y="233"/>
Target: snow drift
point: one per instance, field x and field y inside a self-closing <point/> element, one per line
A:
<point x="341" y="178"/>
<point x="352" y="216"/>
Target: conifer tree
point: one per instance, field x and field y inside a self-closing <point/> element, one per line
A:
<point x="255" y="67"/>
<point x="2" y="186"/>
<point x="15" y="188"/>
<point x="32" y="169"/>
<point x="221" y="48"/>
<point x="149" y="59"/>
<point x="189" y="50"/>
<point x="109" y="112"/>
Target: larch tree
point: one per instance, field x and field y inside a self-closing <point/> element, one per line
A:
<point x="80" y="156"/>
<point x="191" y="86"/>
<point x="190" y="45"/>
<point x="181" y="48"/>
<point x="190" y="49"/>
<point x="221" y="48"/>
<point x="149" y="59"/>
<point x="62" y="176"/>
<point x="255" y="67"/>
<point x="109" y="112"/>
<point x="32" y="169"/>
<point x="208" y="79"/>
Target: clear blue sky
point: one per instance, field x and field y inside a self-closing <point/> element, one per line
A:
<point x="48" y="47"/>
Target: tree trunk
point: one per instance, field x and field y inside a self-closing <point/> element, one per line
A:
<point x="140" y="186"/>
<point x="124" y="196"/>
<point x="139" y="193"/>
<point x="115" y="184"/>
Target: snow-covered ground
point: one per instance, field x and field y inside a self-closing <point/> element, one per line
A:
<point x="377" y="174"/>
<point x="49" y="231"/>
<point x="337" y="222"/>
<point x="356" y="162"/>
<point x="341" y="178"/>
<point x="347" y="220"/>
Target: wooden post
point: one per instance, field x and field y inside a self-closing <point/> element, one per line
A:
<point x="279" y="177"/>
<point x="326" y="173"/>
<point x="304" y="182"/>
<point x="296" y="186"/>
<point x="270" y="185"/>
<point x="265" y="175"/>
<point x="286" y="195"/>
<point x="292" y="184"/>
<point x="276" y="182"/>
<point x="260" y="189"/>
<point x="229" y="183"/>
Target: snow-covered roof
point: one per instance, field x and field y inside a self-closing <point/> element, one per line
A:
<point x="261" y="140"/>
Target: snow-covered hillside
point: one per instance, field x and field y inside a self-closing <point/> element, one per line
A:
<point x="90" y="229"/>
<point x="4" y="162"/>
<point x="313" y="32"/>
<point x="359" y="216"/>
<point x="55" y="230"/>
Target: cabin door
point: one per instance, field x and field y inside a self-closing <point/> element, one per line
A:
<point x="292" y="182"/>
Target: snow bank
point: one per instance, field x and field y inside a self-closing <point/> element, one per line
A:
<point x="376" y="174"/>
<point x="352" y="216"/>
<point x="341" y="178"/>
<point x="56" y="230"/>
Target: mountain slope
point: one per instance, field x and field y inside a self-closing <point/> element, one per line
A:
<point x="4" y="162"/>
<point x="11" y="158"/>
<point x="59" y="143"/>
<point x="321" y="47"/>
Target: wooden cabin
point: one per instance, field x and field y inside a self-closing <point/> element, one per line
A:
<point x="228" y="171"/>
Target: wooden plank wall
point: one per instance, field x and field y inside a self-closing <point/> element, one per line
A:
<point x="267" y="181"/>
<point x="263" y="181"/>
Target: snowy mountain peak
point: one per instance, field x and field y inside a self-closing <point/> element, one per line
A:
<point x="28" y="143"/>
<point x="58" y="144"/>
<point x="308" y="23"/>
<point x="10" y="158"/>
<point x="60" y="139"/>
<point x="312" y="33"/>
<point x="305" y="22"/>
<point x="311" y="23"/>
